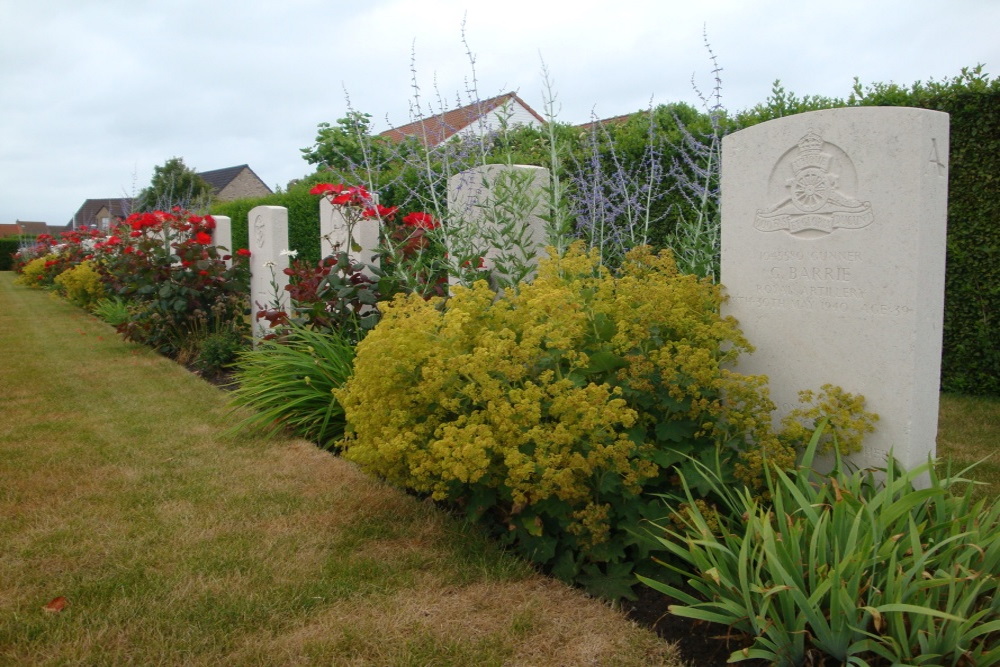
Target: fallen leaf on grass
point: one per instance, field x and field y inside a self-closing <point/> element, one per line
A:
<point x="57" y="605"/>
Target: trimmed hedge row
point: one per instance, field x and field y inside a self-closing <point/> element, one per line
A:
<point x="8" y="246"/>
<point x="303" y="219"/>
<point x="971" y="361"/>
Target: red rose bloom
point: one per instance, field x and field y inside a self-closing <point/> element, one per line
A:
<point x="421" y="221"/>
<point x="323" y="188"/>
<point x="243" y="252"/>
<point x="379" y="211"/>
<point x="203" y="238"/>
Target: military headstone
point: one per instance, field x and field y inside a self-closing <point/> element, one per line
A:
<point x="496" y="212"/>
<point x="360" y="239"/>
<point x="268" y="229"/>
<point x="833" y="254"/>
<point x="222" y="235"/>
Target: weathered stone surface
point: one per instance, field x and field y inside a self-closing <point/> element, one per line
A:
<point x="833" y="254"/>
<point x="222" y="235"/>
<point x="268" y="230"/>
<point x="334" y="237"/>
<point x="490" y="205"/>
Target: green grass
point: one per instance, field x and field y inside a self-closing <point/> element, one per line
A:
<point x="968" y="432"/>
<point x="176" y="544"/>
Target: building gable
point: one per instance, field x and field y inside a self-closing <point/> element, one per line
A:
<point x="475" y="119"/>
<point x="101" y="213"/>
<point x="237" y="182"/>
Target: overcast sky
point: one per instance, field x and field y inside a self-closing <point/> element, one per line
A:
<point x="95" y="93"/>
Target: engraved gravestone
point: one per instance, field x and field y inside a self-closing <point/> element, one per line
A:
<point x="268" y="230"/>
<point x="497" y="212"/>
<point x="222" y="236"/>
<point x="833" y="255"/>
<point x="360" y="239"/>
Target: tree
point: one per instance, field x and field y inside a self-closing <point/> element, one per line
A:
<point x="174" y="184"/>
<point x="346" y="146"/>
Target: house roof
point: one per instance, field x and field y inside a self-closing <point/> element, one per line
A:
<point x="220" y="178"/>
<point x="432" y="131"/>
<point x="614" y="120"/>
<point x="119" y="207"/>
<point x="25" y="227"/>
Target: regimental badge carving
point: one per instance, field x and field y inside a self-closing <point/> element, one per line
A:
<point x="813" y="186"/>
<point x="338" y="230"/>
<point x="258" y="230"/>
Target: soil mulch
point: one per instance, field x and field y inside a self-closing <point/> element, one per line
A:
<point x="701" y="644"/>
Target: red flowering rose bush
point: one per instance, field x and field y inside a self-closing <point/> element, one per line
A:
<point x="27" y="254"/>
<point x="180" y="288"/>
<point x="56" y="256"/>
<point x="342" y="292"/>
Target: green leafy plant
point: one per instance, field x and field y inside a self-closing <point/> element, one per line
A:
<point x="113" y="310"/>
<point x="551" y="412"/>
<point x="864" y="566"/>
<point x="290" y="384"/>
<point x="218" y="351"/>
<point x="37" y="272"/>
<point x="82" y="284"/>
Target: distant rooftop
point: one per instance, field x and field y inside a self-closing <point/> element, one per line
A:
<point x="436" y="129"/>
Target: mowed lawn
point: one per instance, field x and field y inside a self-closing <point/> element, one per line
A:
<point x="164" y="541"/>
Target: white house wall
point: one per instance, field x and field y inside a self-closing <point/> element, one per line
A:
<point x="514" y="113"/>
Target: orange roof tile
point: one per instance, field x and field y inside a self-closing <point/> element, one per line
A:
<point x="436" y="129"/>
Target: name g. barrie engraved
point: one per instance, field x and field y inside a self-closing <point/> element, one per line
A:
<point x="815" y="280"/>
<point x="815" y="200"/>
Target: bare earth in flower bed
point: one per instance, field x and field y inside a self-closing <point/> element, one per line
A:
<point x="134" y="532"/>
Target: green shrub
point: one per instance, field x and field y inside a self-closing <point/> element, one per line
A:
<point x="81" y="284"/>
<point x="218" y="351"/>
<point x="40" y="272"/>
<point x="552" y="411"/>
<point x="289" y="384"/>
<point x="856" y="566"/>
<point x="8" y="246"/>
<point x="303" y="219"/>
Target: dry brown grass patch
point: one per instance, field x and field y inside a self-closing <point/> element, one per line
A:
<point x="545" y="622"/>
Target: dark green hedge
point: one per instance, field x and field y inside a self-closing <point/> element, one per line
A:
<point x="8" y="246"/>
<point x="303" y="219"/>
<point x="971" y="361"/>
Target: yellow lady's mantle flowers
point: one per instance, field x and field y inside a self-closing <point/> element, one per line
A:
<point x="545" y="392"/>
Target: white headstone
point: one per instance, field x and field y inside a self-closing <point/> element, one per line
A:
<point x="487" y="205"/>
<point x="334" y="236"/>
<point x="833" y="254"/>
<point x="222" y="235"/>
<point x="268" y="230"/>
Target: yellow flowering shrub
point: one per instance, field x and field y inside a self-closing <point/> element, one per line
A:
<point x="848" y="421"/>
<point x="35" y="272"/>
<point x="81" y="284"/>
<point x="556" y="411"/>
